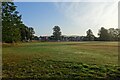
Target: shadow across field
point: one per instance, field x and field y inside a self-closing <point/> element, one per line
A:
<point x="42" y="69"/>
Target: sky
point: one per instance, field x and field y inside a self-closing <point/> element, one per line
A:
<point x="74" y="18"/>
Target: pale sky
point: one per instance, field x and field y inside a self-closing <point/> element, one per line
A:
<point x="74" y="18"/>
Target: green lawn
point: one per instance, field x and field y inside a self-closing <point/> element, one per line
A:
<point x="61" y="60"/>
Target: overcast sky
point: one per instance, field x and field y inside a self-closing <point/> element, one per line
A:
<point x="74" y="18"/>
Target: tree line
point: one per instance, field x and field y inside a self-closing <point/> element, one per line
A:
<point x="14" y="30"/>
<point x="104" y="34"/>
<point x="110" y="34"/>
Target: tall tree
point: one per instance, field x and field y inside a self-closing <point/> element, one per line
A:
<point x="103" y="34"/>
<point x="90" y="36"/>
<point x="56" y="33"/>
<point x="13" y="28"/>
<point x="11" y="21"/>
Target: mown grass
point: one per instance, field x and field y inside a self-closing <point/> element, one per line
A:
<point x="80" y="60"/>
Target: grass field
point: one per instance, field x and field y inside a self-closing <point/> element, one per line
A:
<point x="61" y="60"/>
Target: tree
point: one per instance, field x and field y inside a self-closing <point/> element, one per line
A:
<point x="26" y="33"/>
<point x="36" y="38"/>
<point x="23" y="32"/>
<point x="56" y="33"/>
<point x="118" y="34"/>
<point x="103" y="34"/>
<point x="90" y="36"/>
<point x="113" y="34"/>
<point x="31" y="32"/>
<point x="11" y="21"/>
<point x="13" y="29"/>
